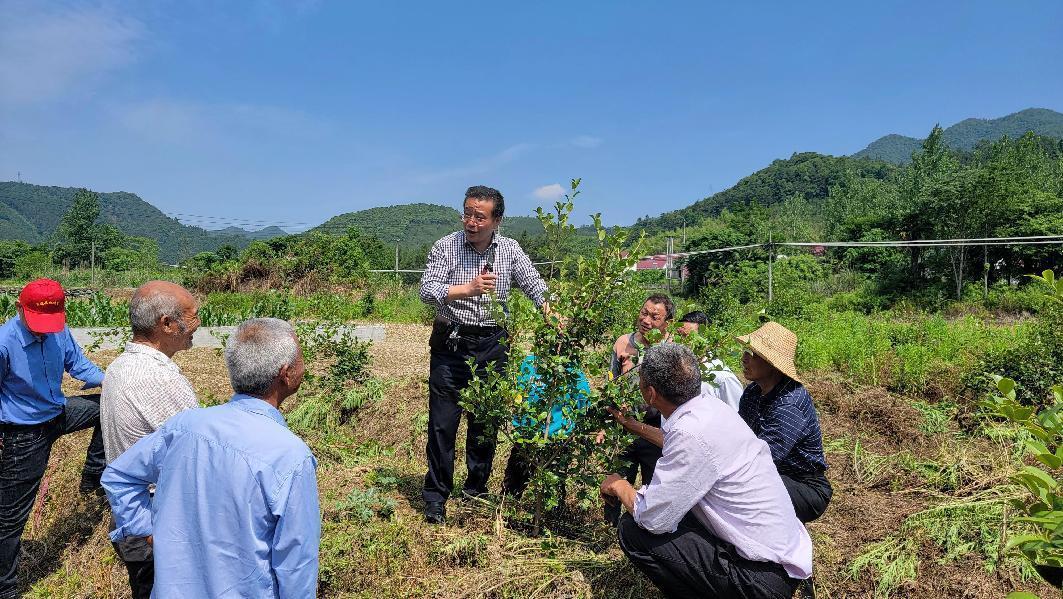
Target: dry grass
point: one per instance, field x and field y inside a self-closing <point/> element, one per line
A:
<point x="478" y="555"/>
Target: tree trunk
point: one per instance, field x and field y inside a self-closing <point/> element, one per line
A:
<point x="958" y="257"/>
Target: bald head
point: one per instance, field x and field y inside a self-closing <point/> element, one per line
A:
<point x="164" y="314"/>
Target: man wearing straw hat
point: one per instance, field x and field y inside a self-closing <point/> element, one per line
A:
<point x="779" y="409"/>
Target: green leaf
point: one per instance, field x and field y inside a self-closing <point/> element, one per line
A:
<point x="1033" y="477"/>
<point x="1027" y="539"/>
<point x="1050" y="460"/>
<point x="1022" y="595"/>
<point x="1005" y="385"/>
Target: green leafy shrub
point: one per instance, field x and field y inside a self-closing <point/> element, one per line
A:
<point x="1035" y="365"/>
<point x="587" y="312"/>
<point x="1041" y="507"/>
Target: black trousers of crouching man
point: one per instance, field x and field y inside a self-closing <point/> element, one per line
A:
<point x="691" y="562"/>
<point x="810" y="494"/>
<point x="449" y="374"/>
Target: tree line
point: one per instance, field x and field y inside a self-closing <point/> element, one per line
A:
<point x="1007" y="188"/>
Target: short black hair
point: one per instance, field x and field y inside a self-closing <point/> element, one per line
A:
<point x="669" y="307"/>
<point x="697" y="317"/>
<point x="482" y="192"/>
<point x="672" y="370"/>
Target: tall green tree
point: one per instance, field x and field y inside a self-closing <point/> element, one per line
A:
<point x="81" y="237"/>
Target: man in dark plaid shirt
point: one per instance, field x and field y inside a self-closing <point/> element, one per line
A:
<point x="464" y="270"/>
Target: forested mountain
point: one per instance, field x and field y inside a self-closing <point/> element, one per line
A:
<point x="32" y="213"/>
<point x="418" y="225"/>
<point x="966" y="134"/>
<point x="266" y="233"/>
<point x="807" y="174"/>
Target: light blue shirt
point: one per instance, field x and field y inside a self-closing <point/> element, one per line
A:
<point x="530" y="382"/>
<point x="235" y="512"/>
<point x="31" y="372"/>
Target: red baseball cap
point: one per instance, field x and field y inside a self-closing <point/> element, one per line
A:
<point x="43" y="306"/>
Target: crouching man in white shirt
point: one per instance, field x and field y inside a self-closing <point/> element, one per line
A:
<point x="715" y="520"/>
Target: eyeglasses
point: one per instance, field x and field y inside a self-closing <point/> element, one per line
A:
<point x="474" y="218"/>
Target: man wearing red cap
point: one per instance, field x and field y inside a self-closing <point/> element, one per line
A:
<point x="35" y="349"/>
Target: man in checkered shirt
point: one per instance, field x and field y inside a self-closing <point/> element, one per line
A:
<point x="465" y="269"/>
<point x="143" y="387"/>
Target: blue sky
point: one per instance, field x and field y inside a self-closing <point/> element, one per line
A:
<point x="292" y="112"/>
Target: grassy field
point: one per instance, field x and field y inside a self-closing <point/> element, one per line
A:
<point x="918" y="509"/>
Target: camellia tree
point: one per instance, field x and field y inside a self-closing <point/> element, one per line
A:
<point x="590" y="302"/>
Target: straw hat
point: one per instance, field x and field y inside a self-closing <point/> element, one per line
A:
<point x="776" y="344"/>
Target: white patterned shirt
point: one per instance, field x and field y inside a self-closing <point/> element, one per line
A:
<point x="725" y="385"/>
<point x="714" y="467"/>
<point x="454" y="261"/>
<point x="142" y="388"/>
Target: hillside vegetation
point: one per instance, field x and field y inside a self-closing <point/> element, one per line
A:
<point x="32" y="213"/>
<point x="968" y="133"/>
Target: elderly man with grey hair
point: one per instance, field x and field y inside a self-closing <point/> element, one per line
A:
<point x="235" y="512"/>
<point x="715" y="520"/>
<point x="142" y="388"/>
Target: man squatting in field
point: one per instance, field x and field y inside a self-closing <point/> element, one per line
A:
<point x="779" y="410"/>
<point x="465" y="271"/>
<point x="715" y="520"/>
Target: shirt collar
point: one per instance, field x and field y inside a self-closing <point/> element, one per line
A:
<point x="254" y="405"/>
<point x="134" y="347"/>
<point x="667" y="422"/>
<point x="494" y="241"/>
<point x="28" y="338"/>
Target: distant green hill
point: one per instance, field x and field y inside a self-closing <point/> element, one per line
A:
<point x="966" y="134"/>
<point x="266" y="233"/>
<point x="32" y="213"/>
<point x="418" y="225"/>
<point x="808" y="174"/>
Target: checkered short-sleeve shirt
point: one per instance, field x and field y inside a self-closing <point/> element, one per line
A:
<point x="454" y="261"/>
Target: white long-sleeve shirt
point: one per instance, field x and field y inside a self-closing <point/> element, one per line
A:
<point x="716" y="468"/>
<point x="725" y="386"/>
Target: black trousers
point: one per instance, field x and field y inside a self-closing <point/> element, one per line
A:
<point x="692" y="563"/>
<point x="139" y="561"/>
<point x="809" y="493"/>
<point x="450" y="374"/>
<point x="24" y="453"/>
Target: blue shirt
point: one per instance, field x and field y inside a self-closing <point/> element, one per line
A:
<point x="787" y="421"/>
<point x="235" y="512"/>
<point x="533" y="388"/>
<point x="31" y="372"/>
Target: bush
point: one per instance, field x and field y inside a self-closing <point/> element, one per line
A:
<point x="1034" y="365"/>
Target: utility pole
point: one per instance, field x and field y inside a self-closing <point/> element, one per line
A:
<point x="771" y="256"/>
<point x="396" y="258"/>
<point x="684" y="234"/>
<point x="668" y="264"/>
<point x="92" y="263"/>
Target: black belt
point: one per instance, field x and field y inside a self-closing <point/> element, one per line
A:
<point x="11" y="427"/>
<point x="471" y="330"/>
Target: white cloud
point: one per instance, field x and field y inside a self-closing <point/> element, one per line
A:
<point x="478" y="166"/>
<point x="44" y="53"/>
<point x="549" y="193"/>
<point x="585" y="141"/>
